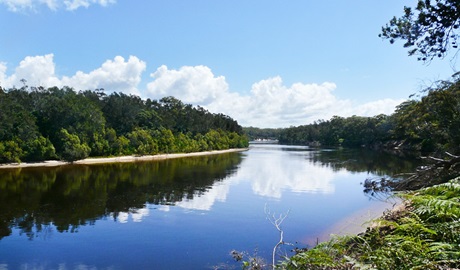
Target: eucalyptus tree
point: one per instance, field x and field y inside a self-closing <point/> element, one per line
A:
<point x="429" y="30"/>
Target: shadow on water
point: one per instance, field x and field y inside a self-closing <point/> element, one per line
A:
<point x="365" y="160"/>
<point x="33" y="199"/>
<point x="385" y="167"/>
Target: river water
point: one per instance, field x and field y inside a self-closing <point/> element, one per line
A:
<point x="187" y="213"/>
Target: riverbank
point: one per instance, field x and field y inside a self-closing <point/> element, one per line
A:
<point x="357" y="222"/>
<point x="423" y="232"/>
<point x="121" y="159"/>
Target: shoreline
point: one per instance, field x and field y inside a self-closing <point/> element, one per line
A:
<point x="120" y="159"/>
<point x="355" y="223"/>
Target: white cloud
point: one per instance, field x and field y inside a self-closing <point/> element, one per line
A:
<point x="195" y="85"/>
<point x="75" y="4"/>
<point x="36" y="70"/>
<point x="270" y="103"/>
<point x="114" y="75"/>
<point x="377" y="107"/>
<point x="24" y="5"/>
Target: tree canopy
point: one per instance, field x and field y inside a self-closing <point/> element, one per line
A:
<point x="429" y="30"/>
<point x="38" y="124"/>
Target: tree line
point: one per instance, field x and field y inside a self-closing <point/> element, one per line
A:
<point x="38" y="123"/>
<point x="427" y="124"/>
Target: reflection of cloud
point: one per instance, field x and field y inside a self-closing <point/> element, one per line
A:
<point x="137" y="215"/>
<point x="164" y="208"/>
<point x="123" y="217"/>
<point x="271" y="175"/>
<point x="206" y="201"/>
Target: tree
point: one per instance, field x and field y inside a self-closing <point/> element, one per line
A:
<point x="429" y="30"/>
<point x="73" y="149"/>
<point x="122" y="111"/>
<point x="142" y="143"/>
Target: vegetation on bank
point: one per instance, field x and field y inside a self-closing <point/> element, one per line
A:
<point x="423" y="235"/>
<point x="39" y="124"/>
<point x="427" y="124"/>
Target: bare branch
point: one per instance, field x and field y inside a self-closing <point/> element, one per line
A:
<point x="276" y="221"/>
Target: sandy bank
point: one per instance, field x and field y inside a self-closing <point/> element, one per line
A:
<point x="356" y="222"/>
<point x="90" y="161"/>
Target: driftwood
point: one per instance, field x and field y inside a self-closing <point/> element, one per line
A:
<point x="438" y="171"/>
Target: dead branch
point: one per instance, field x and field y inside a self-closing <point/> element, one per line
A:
<point x="276" y="221"/>
<point x="436" y="171"/>
<point x="440" y="171"/>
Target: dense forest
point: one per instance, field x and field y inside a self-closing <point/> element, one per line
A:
<point x="427" y="124"/>
<point x="39" y="124"/>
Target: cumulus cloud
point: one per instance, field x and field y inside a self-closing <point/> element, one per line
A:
<point x="36" y="70"/>
<point x="269" y="103"/>
<point x="23" y="5"/>
<point x="196" y="85"/>
<point x="114" y="75"/>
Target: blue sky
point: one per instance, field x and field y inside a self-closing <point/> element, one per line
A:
<point x="264" y="63"/>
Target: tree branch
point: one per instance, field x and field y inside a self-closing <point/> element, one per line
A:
<point x="276" y="221"/>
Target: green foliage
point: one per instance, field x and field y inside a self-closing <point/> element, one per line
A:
<point x="39" y="149"/>
<point x="38" y="124"/>
<point x="217" y="140"/>
<point x="142" y="143"/>
<point x="165" y="139"/>
<point x="10" y="152"/>
<point x="354" y="131"/>
<point x="424" y="236"/>
<point x="429" y="30"/>
<point x="254" y="133"/>
<point x="433" y="123"/>
<point x="72" y="148"/>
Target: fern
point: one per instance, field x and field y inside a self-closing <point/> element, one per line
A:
<point x="426" y="236"/>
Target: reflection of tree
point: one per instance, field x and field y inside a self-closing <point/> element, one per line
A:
<point x="68" y="197"/>
<point x="364" y="160"/>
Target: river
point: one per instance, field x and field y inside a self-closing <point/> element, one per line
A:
<point x="187" y="213"/>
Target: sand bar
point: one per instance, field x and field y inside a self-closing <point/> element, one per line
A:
<point x="121" y="159"/>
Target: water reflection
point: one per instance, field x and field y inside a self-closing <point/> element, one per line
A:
<point x="72" y="196"/>
<point x="136" y="215"/>
<point x="300" y="169"/>
<point x="178" y="214"/>
<point x="67" y="197"/>
<point x="205" y="202"/>
<point x="364" y="160"/>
